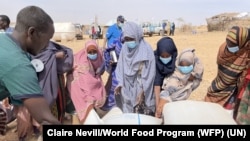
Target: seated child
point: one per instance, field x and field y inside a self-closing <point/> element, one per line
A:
<point x="185" y="79"/>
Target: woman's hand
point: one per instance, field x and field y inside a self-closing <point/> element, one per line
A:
<point x="118" y="90"/>
<point x="60" y="54"/>
<point x="6" y="103"/>
<point x="112" y="63"/>
<point x="100" y="103"/>
<point x="191" y="78"/>
<point x="159" y="108"/>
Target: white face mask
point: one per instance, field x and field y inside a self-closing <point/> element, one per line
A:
<point x="233" y="49"/>
<point x="120" y="25"/>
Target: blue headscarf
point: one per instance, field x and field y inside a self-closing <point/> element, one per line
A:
<point x="165" y="44"/>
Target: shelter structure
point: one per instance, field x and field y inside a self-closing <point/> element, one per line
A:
<point x="224" y="21"/>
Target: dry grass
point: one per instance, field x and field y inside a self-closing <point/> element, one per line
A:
<point x="205" y="43"/>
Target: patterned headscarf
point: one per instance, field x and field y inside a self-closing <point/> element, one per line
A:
<point x="239" y="36"/>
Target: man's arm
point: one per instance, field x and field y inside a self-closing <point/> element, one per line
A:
<point x="41" y="111"/>
<point x="25" y="90"/>
<point x="107" y="37"/>
<point x="157" y="91"/>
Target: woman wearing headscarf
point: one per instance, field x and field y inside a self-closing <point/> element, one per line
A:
<point x="185" y="79"/>
<point x="135" y="71"/>
<point x="56" y="61"/>
<point x="84" y="83"/>
<point x="165" y="57"/>
<point x="233" y="62"/>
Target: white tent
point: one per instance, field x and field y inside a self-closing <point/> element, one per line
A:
<point x="111" y="22"/>
<point x="243" y="14"/>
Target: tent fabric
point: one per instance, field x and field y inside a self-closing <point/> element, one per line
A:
<point x="111" y="22"/>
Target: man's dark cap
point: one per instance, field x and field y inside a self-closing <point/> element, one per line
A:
<point x="120" y="19"/>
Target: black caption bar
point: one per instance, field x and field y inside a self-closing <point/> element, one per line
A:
<point x="51" y="132"/>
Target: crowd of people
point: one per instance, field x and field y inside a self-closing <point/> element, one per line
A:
<point x="141" y="80"/>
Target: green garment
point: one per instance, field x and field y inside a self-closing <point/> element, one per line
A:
<point x="18" y="78"/>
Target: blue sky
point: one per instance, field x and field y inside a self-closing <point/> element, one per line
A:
<point x="84" y="11"/>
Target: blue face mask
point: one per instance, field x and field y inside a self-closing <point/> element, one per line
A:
<point x="186" y="69"/>
<point x="165" y="60"/>
<point x="131" y="44"/>
<point x="233" y="49"/>
<point x="92" y="56"/>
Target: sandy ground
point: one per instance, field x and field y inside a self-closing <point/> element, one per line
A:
<point x="205" y="43"/>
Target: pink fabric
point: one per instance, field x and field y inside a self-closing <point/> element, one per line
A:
<point x="84" y="85"/>
<point x="98" y="62"/>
